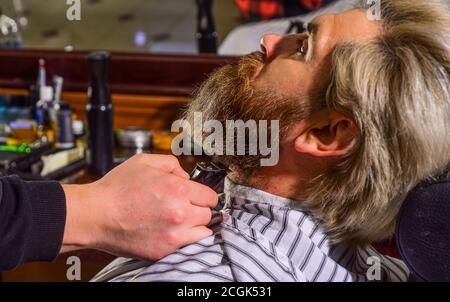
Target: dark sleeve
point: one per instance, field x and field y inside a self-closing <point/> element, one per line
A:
<point x="32" y="221"/>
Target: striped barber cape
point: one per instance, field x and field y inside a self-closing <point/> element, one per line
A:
<point x="264" y="238"/>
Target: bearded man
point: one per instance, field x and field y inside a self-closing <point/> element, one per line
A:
<point x="364" y="110"/>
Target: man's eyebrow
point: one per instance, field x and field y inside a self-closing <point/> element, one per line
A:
<point x="312" y="27"/>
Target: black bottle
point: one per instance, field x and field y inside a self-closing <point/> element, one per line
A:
<point x="206" y="29"/>
<point x="100" y="115"/>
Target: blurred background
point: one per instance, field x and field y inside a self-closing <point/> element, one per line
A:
<point x="132" y="25"/>
<point x="229" y="27"/>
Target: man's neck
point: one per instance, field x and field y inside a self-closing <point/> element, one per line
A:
<point x="288" y="179"/>
<point x="271" y="180"/>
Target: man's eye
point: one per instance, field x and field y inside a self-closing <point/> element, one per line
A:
<point x="303" y="47"/>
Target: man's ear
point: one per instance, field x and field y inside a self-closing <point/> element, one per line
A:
<point x="327" y="134"/>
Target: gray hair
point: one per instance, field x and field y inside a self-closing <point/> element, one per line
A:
<point x="397" y="89"/>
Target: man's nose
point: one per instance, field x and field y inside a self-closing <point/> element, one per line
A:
<point x="269" y="44"/>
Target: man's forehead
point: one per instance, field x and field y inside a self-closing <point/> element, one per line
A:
<point x="349" y="26"/>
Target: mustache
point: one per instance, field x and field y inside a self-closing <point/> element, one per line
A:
<point x="256" y="57"/>
<point x="248" y="64"/>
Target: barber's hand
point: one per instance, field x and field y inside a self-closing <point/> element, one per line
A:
<point x="145" y="208"/>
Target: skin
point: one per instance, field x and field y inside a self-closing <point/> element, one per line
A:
<point x="314" y="144"/>
<point x="145" y="208"/>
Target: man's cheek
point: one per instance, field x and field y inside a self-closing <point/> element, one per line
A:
<point x="286" y="79"/>
<point x="289" y="86"/>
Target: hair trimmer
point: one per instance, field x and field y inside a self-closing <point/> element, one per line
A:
<point x="211" y="174"/>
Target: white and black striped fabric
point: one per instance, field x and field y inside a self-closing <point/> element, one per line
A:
<point x="260" y="237"/>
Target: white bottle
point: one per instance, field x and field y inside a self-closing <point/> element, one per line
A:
<point x="43" y="118"/>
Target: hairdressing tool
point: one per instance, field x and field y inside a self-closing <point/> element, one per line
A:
<point x="23" y="148"/>
<point x="211" y="174"/>
<point x="99" y="113"/>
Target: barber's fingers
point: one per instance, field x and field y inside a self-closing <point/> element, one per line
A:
<point x="164" y="163"/>
<point x="201" y="195"/>
<point x="197" y="194"/>
<point x="198" y="216"/>
<point x="195" y="234"/>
